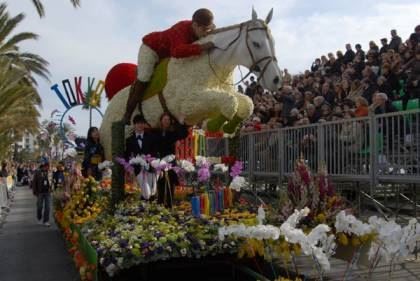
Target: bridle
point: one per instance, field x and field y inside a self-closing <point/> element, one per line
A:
<point x="255" y="63"/>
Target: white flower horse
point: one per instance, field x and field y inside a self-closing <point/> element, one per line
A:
<point x="201" y="88"/>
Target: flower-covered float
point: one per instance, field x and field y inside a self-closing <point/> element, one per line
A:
<point x="312" y="221"/>
<point x="200" y="88"/>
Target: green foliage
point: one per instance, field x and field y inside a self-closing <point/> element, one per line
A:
<point x="118" y="144"/>
<point x="20" y="100"/>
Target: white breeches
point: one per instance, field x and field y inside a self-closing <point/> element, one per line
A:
<point x="146" y="62"/>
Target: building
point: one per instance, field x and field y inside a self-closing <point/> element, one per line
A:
<point x="28" y="143"/>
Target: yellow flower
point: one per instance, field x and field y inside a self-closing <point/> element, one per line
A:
<point x="320" y="218"/>
<point x="342" y="239"/>
<point x="355" y="241"/>
<point x="297" y="249"/>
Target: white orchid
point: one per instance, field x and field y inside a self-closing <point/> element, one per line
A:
<point x="200" y="160"/>
<point x="259" y="232"/>
<point x="351" y="225"/>
<point x="316" y="243"/>
<point x="169" y="158"/>
<point x="237" y="183"/>
<point x="186" y="165"/>
<point x="139" y="160"/>
<point x="155" y="163"/>
<point x="221" y="167"/>
<point x="105" y="164"/>
<point x="393" y="240"/>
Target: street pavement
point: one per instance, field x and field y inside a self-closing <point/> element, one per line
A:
<point x="32" y="252"/>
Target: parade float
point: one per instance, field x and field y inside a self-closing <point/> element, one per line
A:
<point x="218" y="228"/>
<point x="214" y="222"/>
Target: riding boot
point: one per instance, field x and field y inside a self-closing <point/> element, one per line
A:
<point x="134" y="97"/>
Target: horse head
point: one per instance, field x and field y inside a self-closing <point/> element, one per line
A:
<point x="250" y="44"/>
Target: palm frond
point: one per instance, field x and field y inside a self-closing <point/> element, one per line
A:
<point x="76" y="3"/>
<point x="16" y="39"/>
<point x="39" y="8"/>
<point x="9" y="25"/>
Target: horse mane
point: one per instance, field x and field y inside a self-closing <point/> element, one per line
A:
<point x="230" y="27"/>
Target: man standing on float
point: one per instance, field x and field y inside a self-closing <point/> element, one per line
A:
<point x="176" y="42"/>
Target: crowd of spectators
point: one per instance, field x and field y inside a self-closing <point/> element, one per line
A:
<point x="353" y="84"/>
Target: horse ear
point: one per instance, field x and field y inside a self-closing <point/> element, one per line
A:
<point x="254" y="14"/>
<point x="269" y="16"/>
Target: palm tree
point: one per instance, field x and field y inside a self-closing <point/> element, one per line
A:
<point x="19" y="107"/>
<point x="20" y="100"/>
<point x="32" y="63"/>
<point x="40" y="7"/>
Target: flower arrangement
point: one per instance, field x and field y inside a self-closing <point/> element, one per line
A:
<point x="86" y="203"/>
<point x="86" y="269"/>
<point x="350" y="230"/>
<point x="393" y="241"/>
<point x="284" y="241"/>
<point x="315" y="192"/>
<point x="141" y="232"/>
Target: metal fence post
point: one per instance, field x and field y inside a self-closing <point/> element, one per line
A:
<point x="320" y="145"/>
<point x="251" y="157"/>
<point x="281" y="155"/>
<point x="373" y="152"/>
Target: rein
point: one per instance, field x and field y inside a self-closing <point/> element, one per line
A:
<point x="255" y="63"/>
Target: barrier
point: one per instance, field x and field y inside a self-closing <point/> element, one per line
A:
<point x="378" y="148"/>
<point x="3" y="193"/>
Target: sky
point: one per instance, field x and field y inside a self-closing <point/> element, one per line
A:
<point x="90" y="40"/>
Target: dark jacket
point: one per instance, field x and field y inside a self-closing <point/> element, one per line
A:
<point x="361" y="54"/>
<point x="148" y="147"/>
<point x="349" y="56"/>
<point x="40" y="183"/>
<point x="94" y="154"/>
<point x="384" y="49"/>
<point x="166" y="140"/>
<point x="133" y="148"/>
<point x="395" y="43"/>
<point x="289" y="103"/>
<point x="58" y="178"/>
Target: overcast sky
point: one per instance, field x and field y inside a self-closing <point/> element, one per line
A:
<point x="90" y="40"/>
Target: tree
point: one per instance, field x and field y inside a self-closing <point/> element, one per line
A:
<point x="9" y="49"/>
<point x="41" y="10"/>
<point x="20" y="100"/>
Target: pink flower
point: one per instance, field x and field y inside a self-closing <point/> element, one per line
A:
<point x="204" y="173"/>
<point x="236" y="169"/>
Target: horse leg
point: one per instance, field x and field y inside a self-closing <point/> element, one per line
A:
<point x="245" y="109"/>
<point x="226" y="105"/>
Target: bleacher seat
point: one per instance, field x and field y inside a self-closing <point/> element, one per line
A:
<point x="379" y="144"/>
<point x="398" y="104"/>
<point x="413" y="104"/>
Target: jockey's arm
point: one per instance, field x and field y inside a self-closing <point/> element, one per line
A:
<point x="185" y="50"/>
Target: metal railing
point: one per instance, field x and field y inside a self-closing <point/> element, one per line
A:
<point x="378" y="148"/>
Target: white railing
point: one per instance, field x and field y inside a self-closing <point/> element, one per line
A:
<point x="378" y="148"/>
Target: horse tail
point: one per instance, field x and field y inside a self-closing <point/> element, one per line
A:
<point x="120" y="76"/>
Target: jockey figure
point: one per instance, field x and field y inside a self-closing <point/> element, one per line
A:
<point x="176" y="42"/>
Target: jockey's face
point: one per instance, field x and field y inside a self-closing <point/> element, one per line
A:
<point x="200" y="30"/>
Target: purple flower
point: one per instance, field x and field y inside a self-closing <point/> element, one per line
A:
<point x="149" y="158"/>
<point x="204" y="173"/>
<point x="236" y="169"/>
<point x="125" y="164"/>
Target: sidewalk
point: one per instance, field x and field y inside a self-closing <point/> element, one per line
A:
<point x="32" y="252"/>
